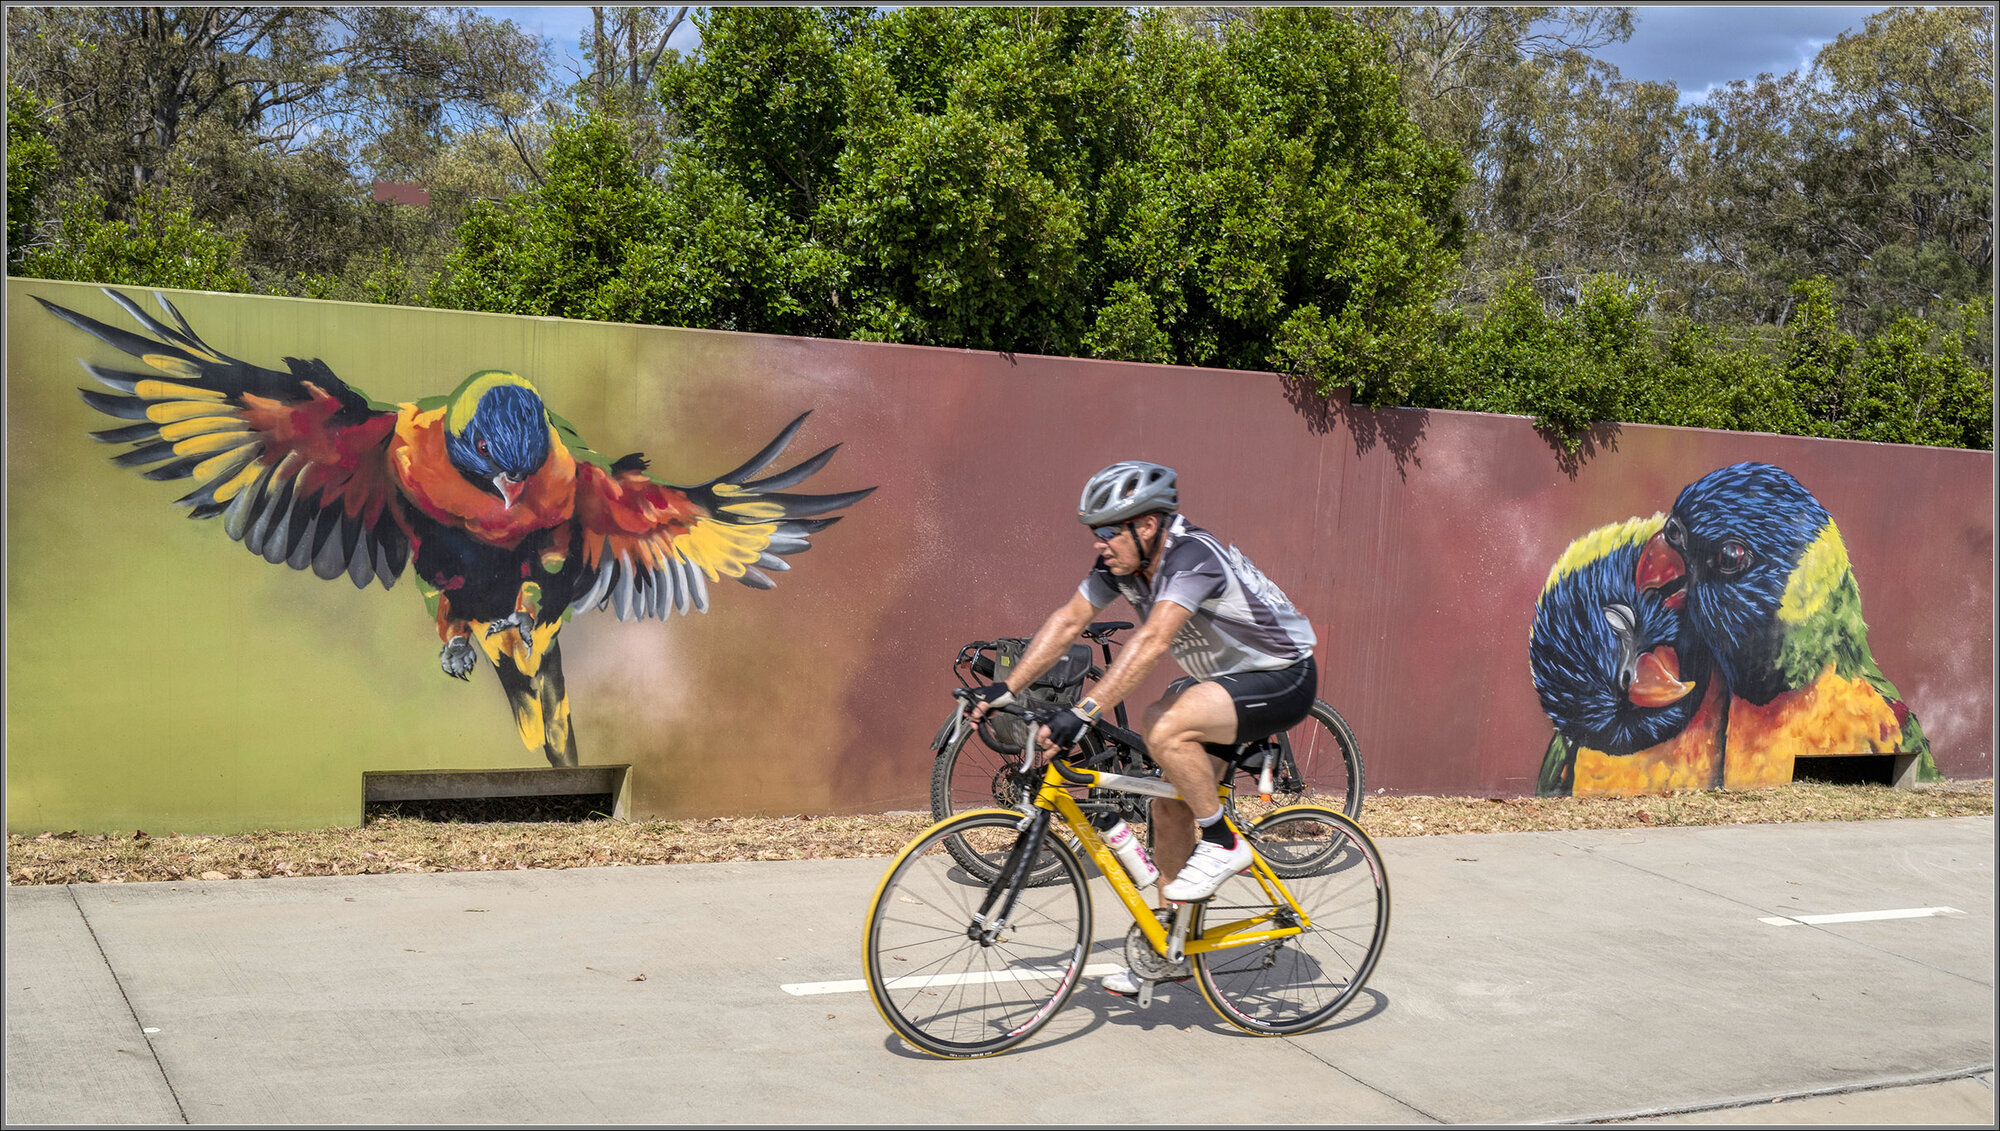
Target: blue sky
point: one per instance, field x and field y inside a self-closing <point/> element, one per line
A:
<point x="1697" y="47"/>
<point x="1693" y="46"/>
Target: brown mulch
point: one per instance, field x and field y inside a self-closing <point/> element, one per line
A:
<point x="525" y="833"/>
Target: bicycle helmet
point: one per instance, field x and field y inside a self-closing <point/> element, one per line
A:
<point x="1126" y="490"/>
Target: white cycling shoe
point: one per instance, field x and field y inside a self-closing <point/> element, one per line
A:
<point x="1206" y="870"/>
<point x="1125" y="983"/>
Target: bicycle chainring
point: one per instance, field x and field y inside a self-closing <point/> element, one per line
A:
<point x="1146" y="962"/>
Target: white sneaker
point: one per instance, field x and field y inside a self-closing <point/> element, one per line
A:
<point x="1125" y="983"/>
<point x="1210" y="865"/>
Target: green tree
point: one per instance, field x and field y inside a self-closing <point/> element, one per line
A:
<point x="1069" y="181"/>
<point x="157" y="243"/>
<point x="270" y="121"/>
<point x="1874" y="167"/>
<point x="31" y="160"/>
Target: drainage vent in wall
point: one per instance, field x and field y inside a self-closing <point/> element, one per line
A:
<point x="569" y="793"/>
<point x="1899" y="770"/>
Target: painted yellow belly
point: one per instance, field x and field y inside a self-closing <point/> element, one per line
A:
<point x="1688" y="760"/>
<point x="1834" y="715"/>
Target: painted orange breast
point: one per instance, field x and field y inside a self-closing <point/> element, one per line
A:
<point x="424" y="471"/>
<point x="1832" y="715"/>
<point x="1688" y="760"/>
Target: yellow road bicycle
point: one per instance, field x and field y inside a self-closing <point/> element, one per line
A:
<point x="966" y="966"/>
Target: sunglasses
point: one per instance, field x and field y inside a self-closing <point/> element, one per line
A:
<point x="1107" y="533"/>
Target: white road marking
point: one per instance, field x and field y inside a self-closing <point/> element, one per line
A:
<point x="1860" y="916"/>
<point x="922" y="981"/>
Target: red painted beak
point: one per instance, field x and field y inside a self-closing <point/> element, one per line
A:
<point x="1658" y="682"/>
<point x="1661" y="568"/>
<point x="510" y="488"/>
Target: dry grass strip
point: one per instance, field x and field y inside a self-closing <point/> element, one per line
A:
<point x="403" y="844"/>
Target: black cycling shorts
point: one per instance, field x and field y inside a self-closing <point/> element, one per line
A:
<point x="1266" y="702"/>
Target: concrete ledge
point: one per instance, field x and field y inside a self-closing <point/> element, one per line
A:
<point x="434" y="785"/>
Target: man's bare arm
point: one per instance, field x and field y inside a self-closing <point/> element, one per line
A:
<point x="1141" y="653"/>
<point x="1050" y="641"/>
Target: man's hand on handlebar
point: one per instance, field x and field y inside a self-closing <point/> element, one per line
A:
<point x="1063" y="731"/>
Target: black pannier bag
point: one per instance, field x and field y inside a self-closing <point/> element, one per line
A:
<point x="1061" y="686"/>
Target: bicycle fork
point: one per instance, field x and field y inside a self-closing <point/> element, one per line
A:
<point x="989" y="920"/>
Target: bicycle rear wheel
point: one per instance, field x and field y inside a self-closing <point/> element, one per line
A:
<point x="1320" y="764"/>
<point x="932" y="978"/>
<point x="1296" y="983"/>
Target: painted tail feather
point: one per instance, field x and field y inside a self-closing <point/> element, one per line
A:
<point x="530" y="669"/>
<point x="541" y="706"/>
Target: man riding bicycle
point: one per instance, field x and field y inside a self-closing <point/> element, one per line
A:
<point x="1246" y="651"/>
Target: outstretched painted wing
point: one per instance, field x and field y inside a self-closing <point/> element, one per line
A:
<point x="649" y="546"/>
<point x="293" y="462"/>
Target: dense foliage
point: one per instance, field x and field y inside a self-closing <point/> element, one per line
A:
<point x="1454" y="207"/>
<point x="1065" y="181"/>
<point x="255" y="133"/>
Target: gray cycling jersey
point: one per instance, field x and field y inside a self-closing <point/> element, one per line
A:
<point x="1241" y="622"/>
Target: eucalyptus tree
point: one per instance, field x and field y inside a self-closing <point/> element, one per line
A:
<point x="267" y="122"/>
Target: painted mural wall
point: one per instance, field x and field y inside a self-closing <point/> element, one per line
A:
<point x="480" y="541"/>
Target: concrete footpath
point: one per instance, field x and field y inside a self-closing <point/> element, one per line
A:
<point x="1529" y="978"/>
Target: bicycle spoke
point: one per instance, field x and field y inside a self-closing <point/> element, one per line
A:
<point x="943" y="989"/>
<point x="1295" y="983"/>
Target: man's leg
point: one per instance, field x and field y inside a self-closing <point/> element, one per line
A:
<point x="1176" y="727"/>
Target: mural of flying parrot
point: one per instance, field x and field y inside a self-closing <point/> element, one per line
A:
<point x="1621" y="675"/>
<point x="509" y="522"/>
<point x="1760" y="570"/>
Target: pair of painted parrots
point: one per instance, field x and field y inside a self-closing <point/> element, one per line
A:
<point x="509" y="522"/>
<point x="1710" y="647"/>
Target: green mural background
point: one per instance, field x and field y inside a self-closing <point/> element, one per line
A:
<point x="161" y="675"/>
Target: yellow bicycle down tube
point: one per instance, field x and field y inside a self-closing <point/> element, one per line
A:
<point x="1223" y="936"/>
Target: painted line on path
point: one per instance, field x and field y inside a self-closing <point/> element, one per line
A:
<point x="925" y="981"/>
<point x="1860" y="916"/>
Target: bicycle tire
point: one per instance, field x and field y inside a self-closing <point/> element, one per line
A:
<point x="1297" y="983"/>
<point x="968" y="775"/>
<point x="1324" y="769"/>
<point x="947" y="993"/>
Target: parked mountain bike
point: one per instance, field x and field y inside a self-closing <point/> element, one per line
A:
<point x="962" y="966"/>
<point x="993" y="764"/>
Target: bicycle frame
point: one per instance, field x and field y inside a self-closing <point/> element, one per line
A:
<point x="1053" y="797"/>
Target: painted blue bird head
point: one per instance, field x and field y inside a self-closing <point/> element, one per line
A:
<point x="497" y="432"/>
<point x="1616" y="668"/>
<point x="1725" y="555"/>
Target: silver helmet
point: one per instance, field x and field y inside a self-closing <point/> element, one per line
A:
<point x="1126" y="490"/>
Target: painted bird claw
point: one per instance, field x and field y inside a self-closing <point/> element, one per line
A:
<point x="458" y="657"/>
<point x="522" y="621"/>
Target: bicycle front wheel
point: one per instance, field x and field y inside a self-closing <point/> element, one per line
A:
<point x="943" y="983"/>
<point x="1319" y="764"/>
<point x="1295" y="983"/>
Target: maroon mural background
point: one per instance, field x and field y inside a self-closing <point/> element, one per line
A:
<point x="1417" y="541"/>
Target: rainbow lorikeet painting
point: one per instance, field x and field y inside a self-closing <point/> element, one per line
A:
<point x="1760" y="569"/>
<point x="508" y="521"/>
<point x="1621" y="675"/>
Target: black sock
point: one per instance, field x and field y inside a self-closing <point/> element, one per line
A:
<point x="1218" y="832"/>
